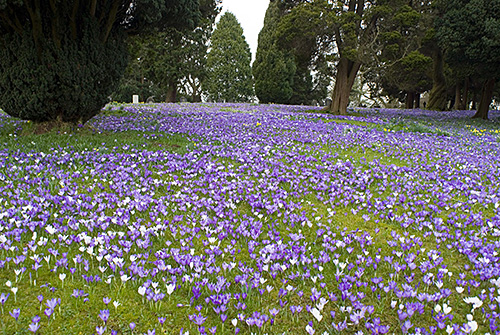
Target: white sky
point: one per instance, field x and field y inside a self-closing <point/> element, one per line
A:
<point x="250" y="14"/>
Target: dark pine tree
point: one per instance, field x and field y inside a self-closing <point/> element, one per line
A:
<point x="61" y="59"/>
<point x="469" y="33"/>
<point x="273" y="68"/>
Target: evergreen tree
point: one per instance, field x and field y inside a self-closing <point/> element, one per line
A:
<point x="402" y="68"/>
<point x="134" y="80"/>
<point x="60" y="59"/>
<point x="352" y="28"/>
<point x="273" y="68"/>
<point x="305" y="32"/>
<point x="169" y="59"/>
<point x="228" y="63"/>
<point x="469" y="33"/>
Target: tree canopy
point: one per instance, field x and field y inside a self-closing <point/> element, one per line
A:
<point x="166" y="63"/>
<point x="228" y="63"/>
<point x="273" y="68"/>
<point x="60" y="60"/>
<point x="469" y="33"/>
<point x="304" y="31"/>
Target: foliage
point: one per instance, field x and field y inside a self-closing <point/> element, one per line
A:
<point x="355" y="32"/>
<point x="172" y="60"/>
<point x="306" y="32"/>
<point x="409" y="74"/>
<point x="468" y="31"/>
<point x="134" y="80"/>
<point x="60" y="60"/>
<point x="67" y="84"/>
<point x="228" y="63"/>
<point x="273" y="68"/>
<point x="402" y="68"/>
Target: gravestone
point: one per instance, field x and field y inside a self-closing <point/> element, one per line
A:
<point x="135" y="99"/>
<point x="328" y="103"/>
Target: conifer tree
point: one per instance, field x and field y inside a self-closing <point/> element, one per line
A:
<point x="469" y="33"/>
<point x="61" y="59"/>
<point x="228" y="63"/>
<point x="172" y="61"/>
<point x="273" y="68"/>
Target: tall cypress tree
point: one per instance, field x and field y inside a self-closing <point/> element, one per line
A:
<point x="228" y="63"/>
<point x="61" y="59"/>
<point x="273" y="68"/>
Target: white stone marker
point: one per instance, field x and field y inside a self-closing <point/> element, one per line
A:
<point x="135" y="99"/>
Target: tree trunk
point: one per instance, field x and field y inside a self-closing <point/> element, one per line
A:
<point x="171" y="91"/>
<point x="410" y="98"/>
<point x="417" y="100"/>
<point x="465" y="96"/>
<point x="461" y="97"/>
<point x="486" y="97"/>
<point x="347" y="71"/>
<point x="474" y="100"/>
<point x="458" y="97"/>
<point x="437" y="98"/>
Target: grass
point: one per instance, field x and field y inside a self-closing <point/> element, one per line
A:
<point x="224" y="245"/>
<point x="20" y="137"/>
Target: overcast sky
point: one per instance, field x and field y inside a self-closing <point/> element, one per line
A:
<point x="250" y="14"/>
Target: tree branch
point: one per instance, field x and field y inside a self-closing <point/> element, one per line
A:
<point x="338" y="38"/>
<point x="72" y="20"/>
<point x="352" y="6"/>
<point x="36" y="22"/>
<point x="93" y="6"/>
<point x="11" y="24"/>
<point x="12" y="13"/>
<point x="111" y="19"/>
<point x="55" y="24"/>
<point x="360" y="8"/>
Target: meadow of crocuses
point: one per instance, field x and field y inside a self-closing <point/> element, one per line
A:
<point x="251" y="219"/>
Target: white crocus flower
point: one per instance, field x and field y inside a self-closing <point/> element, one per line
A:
<point x="437" y="308"/>
<point x="317" y="314"/>
<point x="116" y="304"/>
<point x="170" y="288"/>
<point x="475" y="301"/>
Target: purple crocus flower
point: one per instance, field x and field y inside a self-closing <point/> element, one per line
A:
<point x="48" y="312"/>
<point x="197" y="319"/>
<point x="100" y="330"/>
<point x="15" y="313"/>
<point x="52" y="303"/>
<point x="104" y="315"/>
<point x="309" y="329"/>
<point x="4" y="297"/>
<point x="405" y="327"/>
<point x="33" y="327"/>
